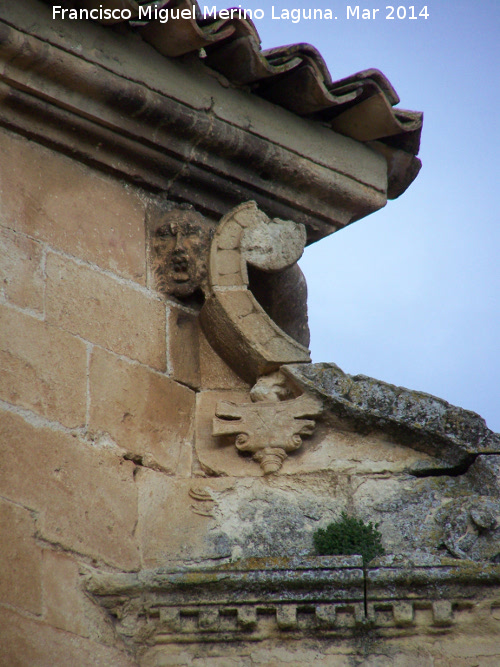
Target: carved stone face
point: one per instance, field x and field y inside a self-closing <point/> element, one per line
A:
<point x="181" y="246"/>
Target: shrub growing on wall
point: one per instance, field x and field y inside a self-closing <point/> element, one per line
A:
<point x="349" y="536"/>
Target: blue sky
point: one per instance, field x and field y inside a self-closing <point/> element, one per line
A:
<point x="411" y="294"/>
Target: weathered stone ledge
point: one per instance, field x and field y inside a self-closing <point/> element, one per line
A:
<point x="116" y="112"/>
<point x="293" y="598"/>
<point x="254" y="580"/>
<point x="450" y="434"/>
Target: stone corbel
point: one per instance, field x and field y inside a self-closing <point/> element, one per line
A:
<point x="251" y="342"/>
<point x="267" y="430"/>
<point x="234" y="322"/>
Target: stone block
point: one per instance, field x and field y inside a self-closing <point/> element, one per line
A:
<point x="480" y="660"/>
<point x="402" y="655"/>
<point x="170" y="619"/>
<point x="222" y="661"/>
<point x="215" y="373"/>
<point x="104" y="311"/>
<point x="326" y="615"/>
<point x="247" y="617"/>
<point x="72" y="207"/>
<point x="174" y="655"/>
<point x="228" y="238"/>
<point x="479" y="648"/>
<point x="442" y="613"/>
<point x="228" y="262"/>
<point x="403" y="613"/>
<point x="85" y="498"/>
<point x="26" y="643"/>
<point x="43" y="369"/>
<point x="175" y="519"/>
<point x="63" y="601"/>
<point x="66" y="605"/>
<point x="238" y="302"/>
<point x="146" y="413"/>
<point x="21" y="273"/>
<point x="184" y="347"/>
<point x="286" y="617"/>
<point x="218" y="455"/>
<point x="20" y="559"/>
<point x="209" y="619"/>
<point x="291" y="655"/>
<point x="230" y="280"/>
<point x="166" y="656"/>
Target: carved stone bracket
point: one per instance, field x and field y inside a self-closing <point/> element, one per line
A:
<point x="269" y="430"/>
<point x="251" y="342"/>
<point x="233" y="321"/>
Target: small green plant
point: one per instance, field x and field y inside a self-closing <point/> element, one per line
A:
<point x="349" y="536"/>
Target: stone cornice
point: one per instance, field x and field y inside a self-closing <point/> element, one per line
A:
<point x="199" y="141"/>
<point x="331" y="596"/>
<point x="454" y="436"/>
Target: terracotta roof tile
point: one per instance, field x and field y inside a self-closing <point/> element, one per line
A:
<point x="296" y="77"/>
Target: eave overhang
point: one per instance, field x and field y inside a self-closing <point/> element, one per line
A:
<point x="172" y="126"/>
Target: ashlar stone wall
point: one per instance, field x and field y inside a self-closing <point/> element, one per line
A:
<point x="97" y="400"/>
<point x="108" y="391"/>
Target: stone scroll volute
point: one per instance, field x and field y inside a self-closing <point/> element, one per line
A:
<point x="233" y="320"/>
<point x="251" y="342"/>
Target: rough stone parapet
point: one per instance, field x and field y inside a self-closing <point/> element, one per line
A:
<point x="450" y="434"/>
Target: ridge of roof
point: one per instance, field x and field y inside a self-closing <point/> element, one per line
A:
<point x="295" y="77"/>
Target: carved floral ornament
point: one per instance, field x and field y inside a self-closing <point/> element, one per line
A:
<point x="236" y="324"/>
